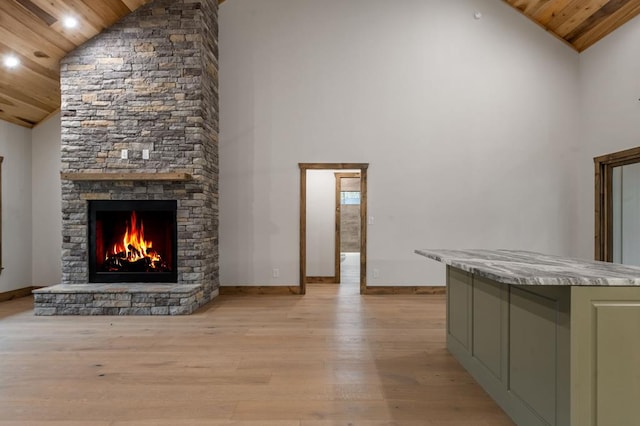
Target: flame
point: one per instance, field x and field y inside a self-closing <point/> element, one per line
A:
<point x="134" y="247"/>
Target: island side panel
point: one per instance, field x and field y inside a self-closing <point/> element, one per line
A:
<point x="463" y="291"/>
<point x="539" y="344"/>
<point x="490" y="325"/>
<point x="459" y="308"/>
<point x="605" y="347"/>
<point x="481" y="309"/>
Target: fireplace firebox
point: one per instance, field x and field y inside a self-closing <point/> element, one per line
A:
<point x="132" y="241"/>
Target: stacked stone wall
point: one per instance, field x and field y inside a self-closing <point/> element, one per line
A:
<point x="147" y="83"/>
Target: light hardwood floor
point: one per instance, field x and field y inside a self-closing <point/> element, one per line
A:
<point x="350" y="268"/>
<point x="331" y="357"/>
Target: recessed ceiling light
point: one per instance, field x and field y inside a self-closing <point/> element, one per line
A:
<point x="70" y="22"/>
<point x="11" y="61"/>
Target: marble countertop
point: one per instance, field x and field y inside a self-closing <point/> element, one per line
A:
<point x="530" y="268"/>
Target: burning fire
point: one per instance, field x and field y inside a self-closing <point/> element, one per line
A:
<point x="134" y="252"/>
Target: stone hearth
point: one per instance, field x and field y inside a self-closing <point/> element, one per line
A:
<point x="149" y="83"/>
<point x="118" y="299"/>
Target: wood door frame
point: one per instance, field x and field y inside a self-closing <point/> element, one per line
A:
<point x="303" y="217"/>
<point x="337" y="250"/>
<point x="604" y="165"/>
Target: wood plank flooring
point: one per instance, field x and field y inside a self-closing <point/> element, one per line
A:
<point x="331" y="357"/>
<point x="350" y="268"/>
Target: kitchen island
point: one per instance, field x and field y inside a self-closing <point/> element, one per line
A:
<point x="554" y="341"/>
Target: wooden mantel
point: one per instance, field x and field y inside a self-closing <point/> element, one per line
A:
<point x="80" y="176"/>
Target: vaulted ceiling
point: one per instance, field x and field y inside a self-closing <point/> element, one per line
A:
<point x="580" y="23"/>
<point x="34" y="32"/>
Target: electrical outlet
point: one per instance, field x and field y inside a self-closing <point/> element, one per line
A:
<point x="275" y="273"/>
<point x="376" y="273"/>
<point x="124" y="154"/>
<point x="145" y="154"/>
<point x="370" y="221"/>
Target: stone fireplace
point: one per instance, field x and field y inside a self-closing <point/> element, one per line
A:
<point x="140" y="125"/>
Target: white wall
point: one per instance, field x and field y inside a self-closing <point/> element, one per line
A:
<point x="15" y="147"/>
<point x="610" y="116"/>
<point x="31" y="205"/>
<point x="321" y="223"/>
<point x="47" y="203"/>
<point x="483" y="113"/>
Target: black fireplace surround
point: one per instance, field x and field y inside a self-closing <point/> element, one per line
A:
<point x="133" y="241"/>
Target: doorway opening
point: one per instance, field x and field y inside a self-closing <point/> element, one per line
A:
<point x="617" y="207"/>
<point x="321" y="223"/>
<point x="347" y="236"/>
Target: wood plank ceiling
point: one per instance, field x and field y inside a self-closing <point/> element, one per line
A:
<point x="33" y="31"/>
<point x="580" y="23"/>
